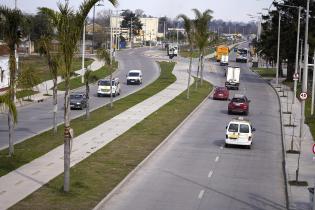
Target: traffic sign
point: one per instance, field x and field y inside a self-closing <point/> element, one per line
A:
<point x="295" y="76"/>
<point x="303" y="96"/>
<point x="314" y="148"/>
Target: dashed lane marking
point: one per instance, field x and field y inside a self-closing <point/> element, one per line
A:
<point x="201" y="194"/>
<point x="210" y="174"/>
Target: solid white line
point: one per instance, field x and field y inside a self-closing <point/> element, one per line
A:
<point x="217" y="159"/>
<point x="210" y="174"/>
<point x="201" y="194"/>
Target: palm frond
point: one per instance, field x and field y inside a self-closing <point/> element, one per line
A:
<point x="103" y="55"/>
<point x="7" y="103"/>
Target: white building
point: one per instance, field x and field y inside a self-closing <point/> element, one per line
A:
<point x="4" y="72"/>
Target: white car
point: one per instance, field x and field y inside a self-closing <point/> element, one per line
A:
<point x="104" y="87"/>
<point x="239" y="132"/>
<point x="134" y="77"/>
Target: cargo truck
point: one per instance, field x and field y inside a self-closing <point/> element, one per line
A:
<point x="221" y="50"/>
<point x="233" y="77"/>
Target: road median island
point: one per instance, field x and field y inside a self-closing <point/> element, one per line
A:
<point x="93" y="178"/>
<point x="41" y="144"/>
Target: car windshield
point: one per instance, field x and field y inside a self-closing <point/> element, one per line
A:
<point x="76" y="96"/>
<point x="233" y="127"/>
<point x="238" y="100"/>
<point x="133" y="74"/>
<point x="244" y="128"/>
<point x="220" y="89"/>
<point x="105" y="83"/>
<point x="242" y="51"/>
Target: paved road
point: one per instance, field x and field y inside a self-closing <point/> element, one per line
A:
<point x="194" y="171"/>
<point x="34" y="118"/>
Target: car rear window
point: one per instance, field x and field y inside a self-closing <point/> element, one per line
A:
<point x="133" y="74"/>
<point x="244" y="128"/>
<point x="76" y="96"/>
<point x="238" y="100"/>
<point x="105" y="83"/>
<point x="233" y="127"/>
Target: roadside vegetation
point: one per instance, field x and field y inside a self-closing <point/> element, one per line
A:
<point x="93" y="178"/>
<point x="39" y="145"/>
<point x="265" y="72"/>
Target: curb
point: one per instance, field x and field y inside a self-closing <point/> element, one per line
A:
<point x="143" y="162"/>
<point x="284" y="166"/>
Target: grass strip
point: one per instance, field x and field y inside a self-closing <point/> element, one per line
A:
<point x="40" y="144"/>
<point x="25" y="93"/>
<point x="264" y="72"/>
<point x="93" y="178"/>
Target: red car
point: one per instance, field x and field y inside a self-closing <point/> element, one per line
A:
<point x="221" y="93"/>
<point x="239" y="104"/>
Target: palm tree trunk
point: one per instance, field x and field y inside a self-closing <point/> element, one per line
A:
<point x="201" y="71"/>
<point x="67" y="137"/>
<point x="87" y="114"/>
<point x="198" y="72"/>
<point x="11" y="132"/>
<point x="12" y="61"/>
<point x="55" y="104"/>
<point x="111" y="88"/>
<point x="189" y="73"/>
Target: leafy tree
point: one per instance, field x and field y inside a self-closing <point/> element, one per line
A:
<point x="69" y="25"/>
<point x="28" y="78"/>
<point x="11" y="20"/>
<point x="132" y="22"/>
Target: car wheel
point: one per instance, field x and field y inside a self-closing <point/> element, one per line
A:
<point x="81" y="107"/>
<point x="229" y="112"/>
<point x="226" y="145"/>
<point x="249" y="146"/>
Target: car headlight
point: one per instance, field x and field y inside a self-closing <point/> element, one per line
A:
<point x="78" y="103"/>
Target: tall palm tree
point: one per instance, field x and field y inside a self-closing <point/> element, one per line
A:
<point x="7" y="103"/>
<point x="69" y="25"/>
<point x="12" y="20"/>
<point x="189" y="31"/>
<point x="105" y="56"/>
<point x="201" y="23"/>
<point x="53" y="60"/>
<point x="88" y="78"/>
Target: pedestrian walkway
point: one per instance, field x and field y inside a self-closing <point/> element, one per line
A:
<point x="46" y="86"/>
<point x="298" y="196"/>
<point x="25" y="180"/>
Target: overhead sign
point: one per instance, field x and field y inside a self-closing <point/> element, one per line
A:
<point x="314" y="148"/>
<point x="295" y="76"/>
<point x="303" y="96"/>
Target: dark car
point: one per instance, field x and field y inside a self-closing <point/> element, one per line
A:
<point x="239" y="104"/>
<point x="77" y="101"/>
<point x="221" y="93"/>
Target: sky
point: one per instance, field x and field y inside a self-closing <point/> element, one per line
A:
<point x="227" y="10"/>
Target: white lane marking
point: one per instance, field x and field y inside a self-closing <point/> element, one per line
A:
<point x="217" y="159"/>
<point x="210" y="174"/>
<point x="201" y="194"/>
<point x="221" y="147"/>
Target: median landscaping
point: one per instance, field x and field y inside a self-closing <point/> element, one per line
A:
<point x="40" y="144"/>
<point x="265" y="72"/>
<point x="93" y="178"/>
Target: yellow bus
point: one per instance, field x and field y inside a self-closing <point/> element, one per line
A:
<point x="221" y="50"/>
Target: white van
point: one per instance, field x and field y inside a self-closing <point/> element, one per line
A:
<point x="134" y="77"/>
<point x="239" y="132"/>
<point x="104" y="87"/>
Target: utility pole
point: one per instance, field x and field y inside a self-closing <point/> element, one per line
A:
<point x="83" y="54"/>
<point x="93" y="30"/>
<point x="297" y="54"/>
<point x="278" y="49"/>
<point x="313" y="85"/>
<point x="301" y="62"/>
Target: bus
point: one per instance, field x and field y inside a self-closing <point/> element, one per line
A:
<point x="221" y="50"/>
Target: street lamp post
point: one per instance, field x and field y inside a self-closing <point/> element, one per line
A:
<point x="83" y="53"/>
<point x="278" y="50"/>
<point x="297" y="53"/>
<point x="93" y="30"/>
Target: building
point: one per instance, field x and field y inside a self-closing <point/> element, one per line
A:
<point x="4" y="72"/>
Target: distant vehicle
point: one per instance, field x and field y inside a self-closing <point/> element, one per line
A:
<point x="235" y="49"/>
<point x="239" y="132"/>
<point x="221" y="50"/>
<point x="239" y="104"/>
<point x="233" y="77"/>
<point x="221" y="93"/>
<point x="224" y="60"/>
<point x="134" y="77"/>
<point x="77" y="100"/>
<point x="104" y="87"/>
<point x="242" y="55"/>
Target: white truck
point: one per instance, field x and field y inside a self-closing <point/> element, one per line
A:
<point x="224" y="60"/>
<point x="233" y="77"/>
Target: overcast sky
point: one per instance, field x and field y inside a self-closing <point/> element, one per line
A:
<point x="228" y="10"/>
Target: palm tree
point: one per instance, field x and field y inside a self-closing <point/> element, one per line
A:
<point x="104" y="55"/>
<point x="189" y="32"/>
<point x="69" y="25"/>
<point x="88" y="78"/>
<point x="201" y="23"/>
<point x="7" y="103"/>
<point x="12" y="20"/>
<point x="53" y="59"/>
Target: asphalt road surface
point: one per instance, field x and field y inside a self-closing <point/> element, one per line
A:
<point x="37" y="117"/>
<point x="194" y="170"/>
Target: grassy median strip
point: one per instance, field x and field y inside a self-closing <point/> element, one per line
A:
<point x="93" y="178"/>
<point x="265" y="72"/>
<point x="41" y="144"/>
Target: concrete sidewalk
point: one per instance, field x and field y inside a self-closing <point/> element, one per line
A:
<point x="298" y="196"/>
<point x="25" y="180"/>
<point x="46" y="86"/>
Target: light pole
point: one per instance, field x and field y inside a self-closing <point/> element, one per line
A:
<point x="93" y="30"/>
<point x="278" y="49"/>
<point x="297" y="53"/>
<point x="83" y="53"/>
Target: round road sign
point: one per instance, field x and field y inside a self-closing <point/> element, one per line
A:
<point x="295" y="76"/>
<point x="303" y="96"/>
<point x="314" y="148"/>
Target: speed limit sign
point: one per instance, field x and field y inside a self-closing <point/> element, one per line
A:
<point x="303" y="96"/>
<point x="295" y="76"/>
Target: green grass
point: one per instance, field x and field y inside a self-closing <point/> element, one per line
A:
<point x="39" y="63"/>
<point x="25" y="93"/>
<point x="186" y="53"/>
<point x="76" y="81"/>
<point x="39" y="145"/>
<point x="93" y="178"/>
<point x="264" y="72"/>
